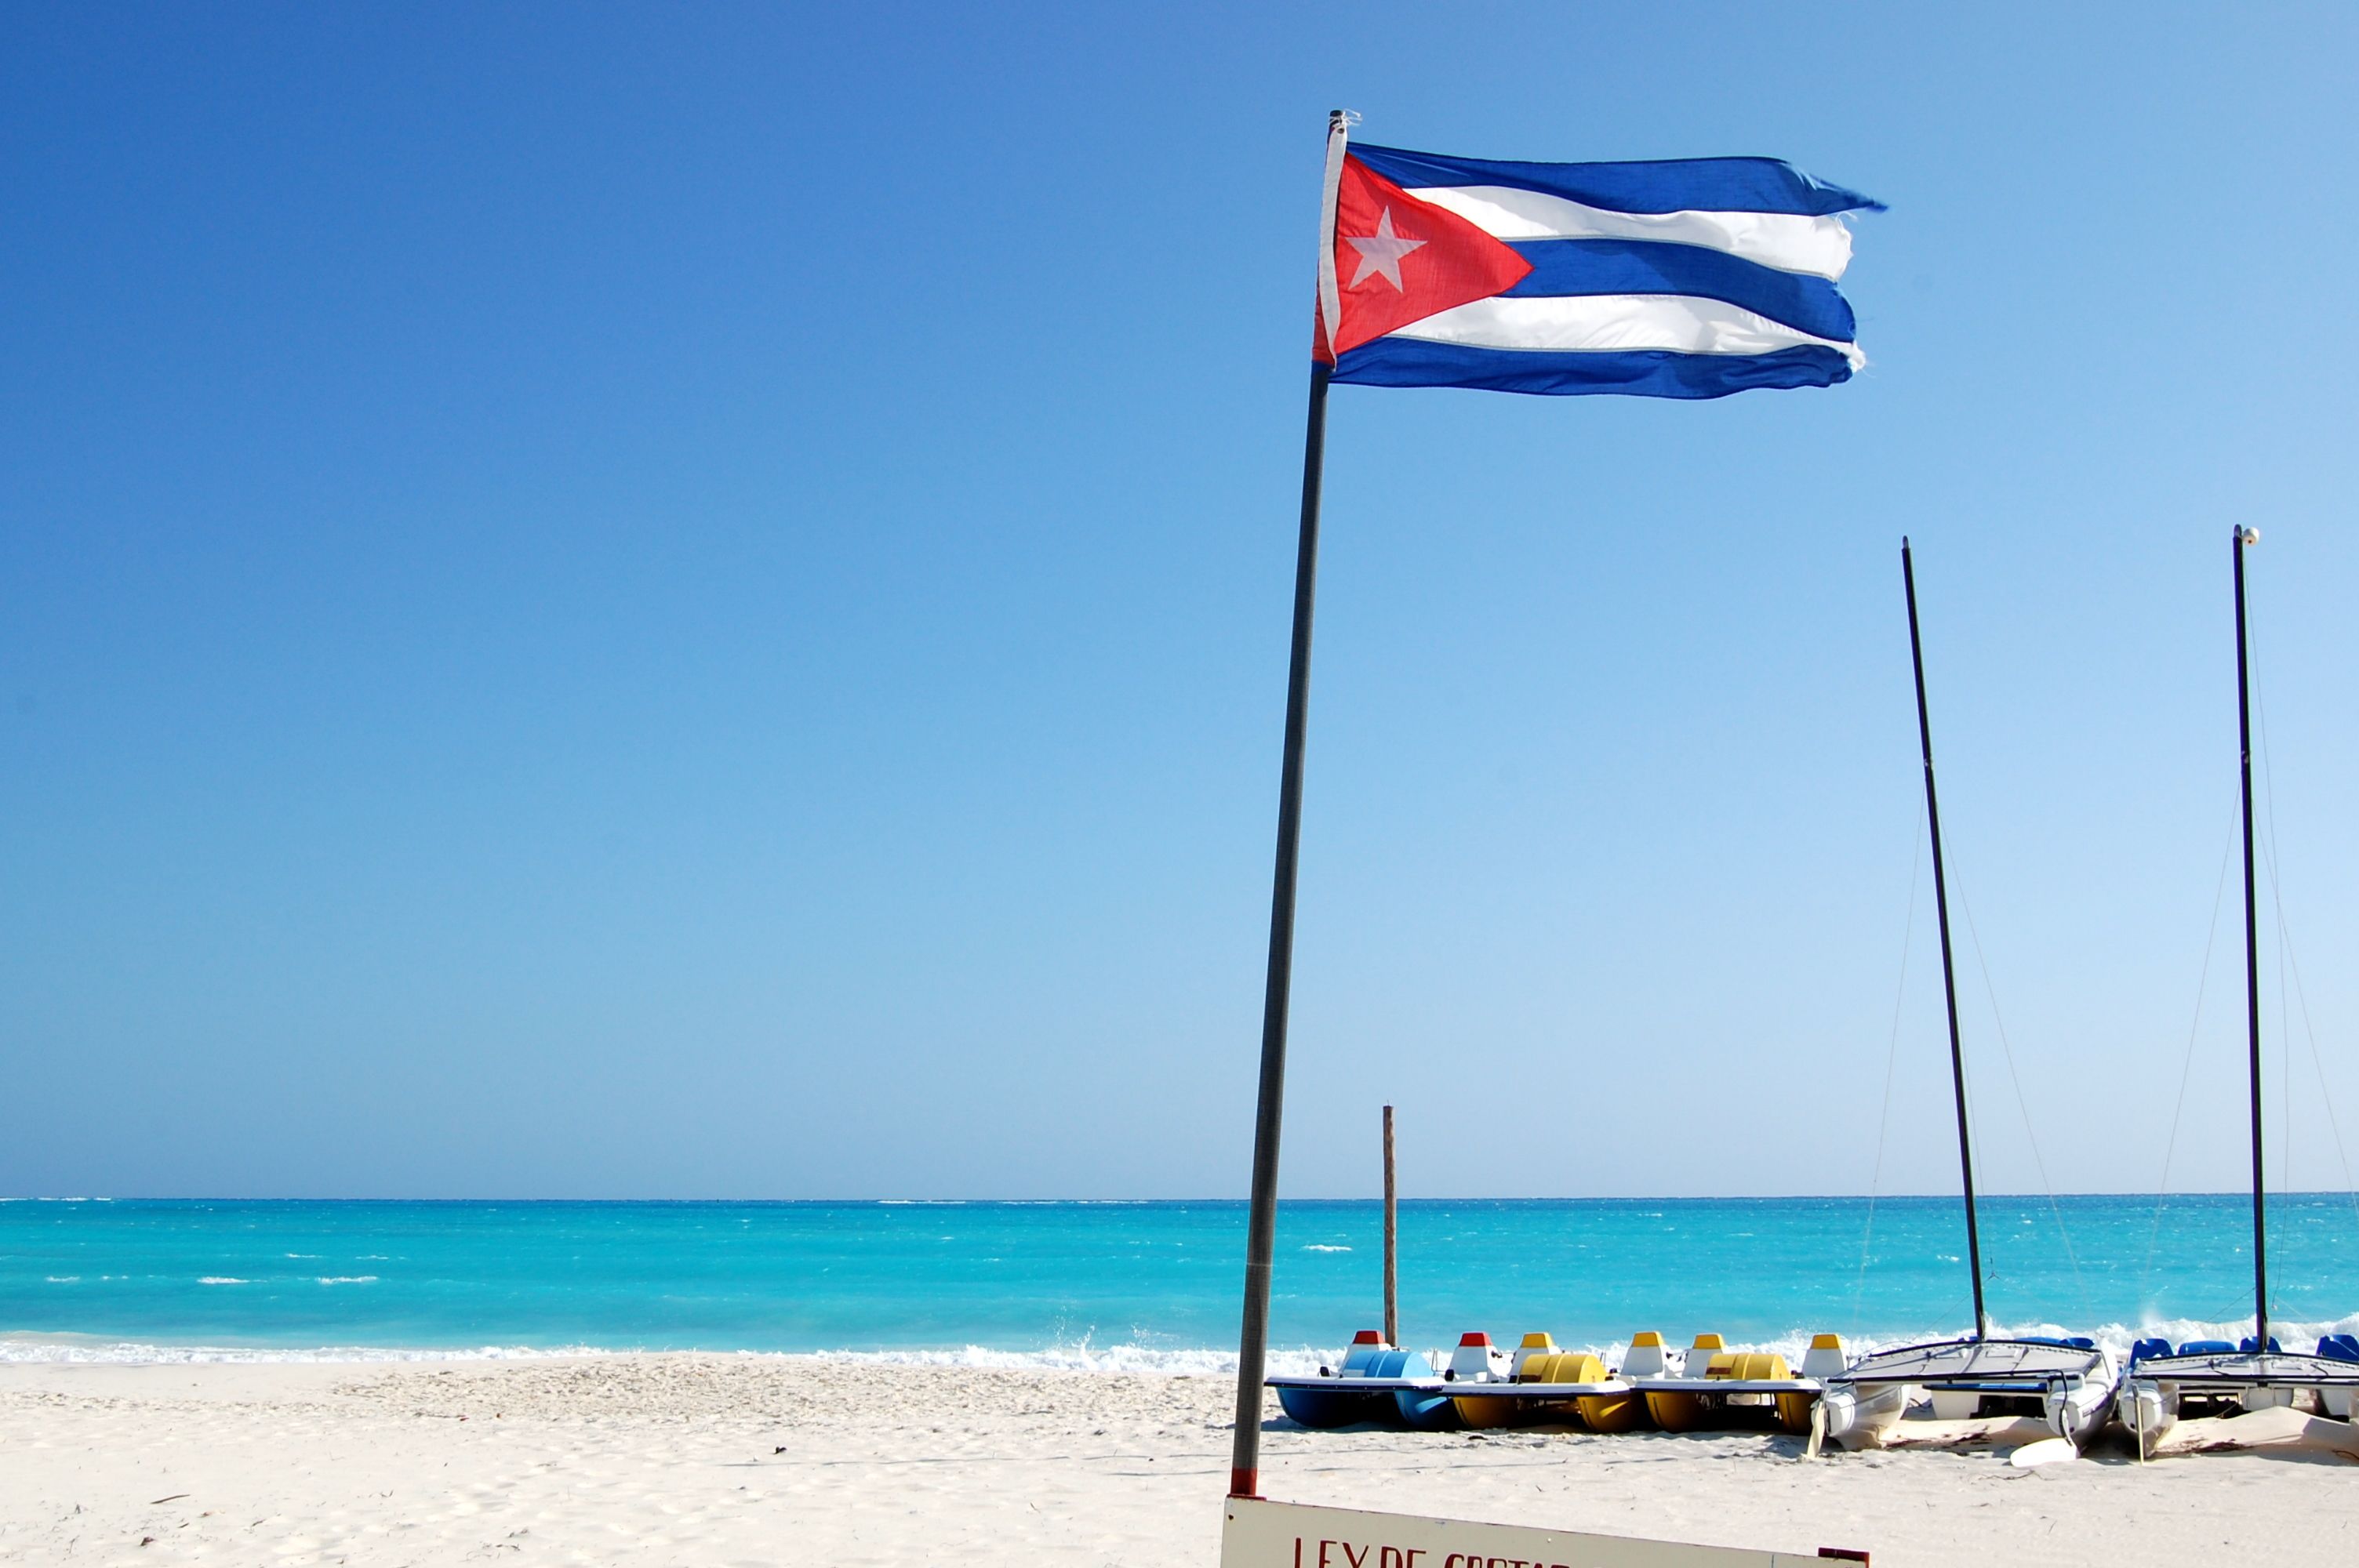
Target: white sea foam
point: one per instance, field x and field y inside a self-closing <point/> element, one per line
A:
<point x="1082" y="1356"/>
<point x="79" y="1351"/>
<point x="1322" y="1246"/>
<point x="2301" y="1336"/>
<point x="2113" y="1337"/>
<point x="347" y="1278"/>
<point x="224" y="1280"/>
<point x="1126" y="1359"/>
<point x="63" y="1278"/>
<point x="76" y="1350"/>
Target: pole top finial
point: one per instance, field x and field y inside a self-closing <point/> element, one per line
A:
<point x="1342" y="119"/>
<point x="2248" y="536"/>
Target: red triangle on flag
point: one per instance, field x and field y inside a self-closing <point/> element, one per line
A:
<point x="1399" y="260"/>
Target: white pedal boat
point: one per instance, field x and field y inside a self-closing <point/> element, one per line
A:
<point x="1714" y="1387"/>
<point x="1537" y="1383"/>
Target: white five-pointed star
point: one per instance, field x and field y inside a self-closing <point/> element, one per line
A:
<point x="1381" y="253"/>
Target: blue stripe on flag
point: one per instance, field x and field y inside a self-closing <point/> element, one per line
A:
<point x="1669" y="185"/>
<point x="1648" y="267"/>
<point x="1652" y="372"/>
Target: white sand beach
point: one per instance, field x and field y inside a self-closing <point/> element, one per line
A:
<point x="726" y="1459"/>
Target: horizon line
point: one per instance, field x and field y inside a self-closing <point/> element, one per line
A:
<point x="1240" y="1200"/>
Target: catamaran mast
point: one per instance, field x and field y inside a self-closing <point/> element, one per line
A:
<point x="1941" y="908"/>
<point x="2244" y="537"/>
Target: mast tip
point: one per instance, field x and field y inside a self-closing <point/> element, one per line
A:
<point x="2248" y="536"/>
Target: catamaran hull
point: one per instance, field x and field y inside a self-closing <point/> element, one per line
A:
<point x="2078" y="1413"/>
<point x="2074" y="1384"/>
<point x="2158" y="1385"/>
<point x="2146" y="1413"/>
<point x="1856" y="1418"/>
<point x="1860" y="1418"/>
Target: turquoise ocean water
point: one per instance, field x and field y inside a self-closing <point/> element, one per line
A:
<point x="1120" y="1284"/>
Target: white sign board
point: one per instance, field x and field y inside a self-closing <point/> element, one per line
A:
<point x="1261" y="1534"/>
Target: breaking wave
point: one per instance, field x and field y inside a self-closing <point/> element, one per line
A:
<point x="2113" y="1337"/>
<point x="1131" y="1359"/>
<point x="71" y="1350"/>
<point x="1153" y="1360"/>
<point x="74" y="1351"/>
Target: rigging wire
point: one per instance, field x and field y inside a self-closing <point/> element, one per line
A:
<point x="1891" y="1057"/>
<point x="2285" y="1017"/>
<point x="2276" y="899"/>
<point x="2285" y="1011"/>
<point x="2024" y="1106"/>
<point x="2287" y="960"/>
<point x="2186" y="1069"/>
<point x="2318" y="1064"/>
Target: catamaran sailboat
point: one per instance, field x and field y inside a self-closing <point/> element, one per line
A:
<point x="2069" y="1383"/>
<point x="2256" y="1374"/>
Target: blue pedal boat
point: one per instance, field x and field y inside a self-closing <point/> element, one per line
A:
<point x="1379" y="1385"/>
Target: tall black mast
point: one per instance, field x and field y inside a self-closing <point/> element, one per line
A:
<point x="2244" y="537"/>
<point x="1949" y="971"/>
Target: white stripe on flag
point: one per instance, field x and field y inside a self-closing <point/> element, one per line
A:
<point x="1606" y="323"/>
<point x="1786" y="241"/>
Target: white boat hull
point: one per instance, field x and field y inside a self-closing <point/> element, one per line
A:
<point x="2075" y="1387"/>
<point x="2156" y="1386"/>
<point x="1856" y="1417"/>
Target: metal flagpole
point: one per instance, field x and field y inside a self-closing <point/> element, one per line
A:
<point x="1949" y="974"/>
<point x="1261" y="1229"/>
<point x="2245" y="536"/>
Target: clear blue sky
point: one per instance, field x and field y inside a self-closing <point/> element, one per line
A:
<point x="692" y="601"/>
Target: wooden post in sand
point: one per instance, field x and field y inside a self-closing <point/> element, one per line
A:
<point x="1392" y="1239"/>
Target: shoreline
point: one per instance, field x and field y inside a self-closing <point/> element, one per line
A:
<point x="681" y="1457"/>
<point x="63" y="1347"/>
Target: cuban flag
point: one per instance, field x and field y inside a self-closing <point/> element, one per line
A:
<point x="1691" y="277"/>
